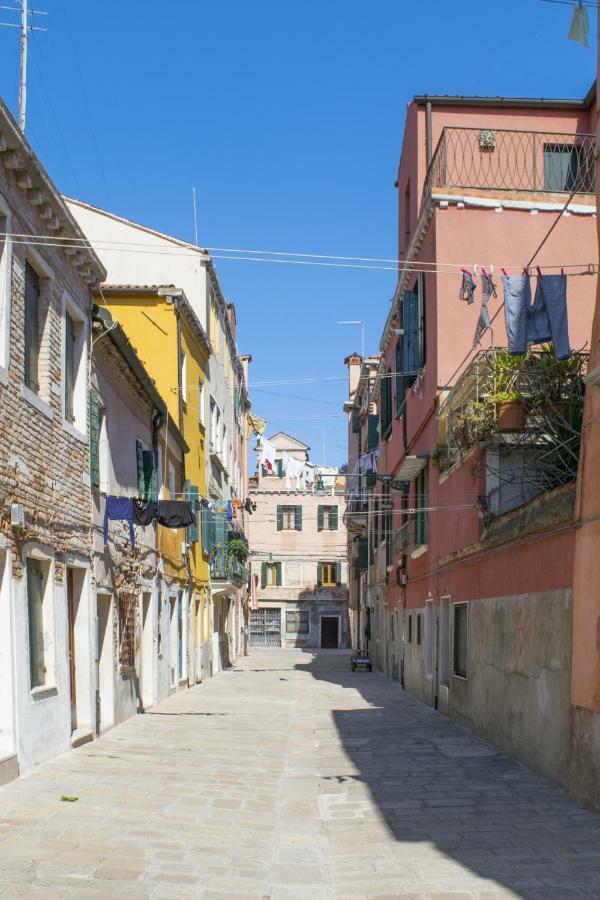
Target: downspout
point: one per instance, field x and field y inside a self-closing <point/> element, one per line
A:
<point x="428" y="134"/>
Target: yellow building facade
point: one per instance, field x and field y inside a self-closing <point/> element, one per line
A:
<point x="173" y="346"/>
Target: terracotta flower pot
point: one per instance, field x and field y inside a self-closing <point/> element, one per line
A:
<point x="510" y="416"/>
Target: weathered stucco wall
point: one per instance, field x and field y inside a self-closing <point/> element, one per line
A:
<point x="517" y="691"/>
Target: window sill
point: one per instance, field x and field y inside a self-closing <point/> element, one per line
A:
<point x="419" y="551"/>
<point x="34" y="400"/>
<point x="44" y="691"/>
<point x="460" y="677"/>
<point x="74" y="431"/>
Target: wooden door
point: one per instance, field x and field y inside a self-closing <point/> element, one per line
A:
<point x="330" y="632"/>
<point x="72" y="610"/>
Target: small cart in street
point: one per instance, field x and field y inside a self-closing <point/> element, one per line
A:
<point x="361" y="660"/>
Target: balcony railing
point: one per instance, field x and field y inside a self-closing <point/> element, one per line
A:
<point x="536" y="452"/>
<point x="504" y="160"/>
<point x="224" y="567"/>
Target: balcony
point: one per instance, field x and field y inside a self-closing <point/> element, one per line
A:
<point x="537" y="447"/>
<point x="226" y="569"/>
<point x="521" y="162"/>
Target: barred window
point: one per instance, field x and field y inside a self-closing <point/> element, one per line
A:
<point x="461" y="634"/>
<point x="127" y="614"/>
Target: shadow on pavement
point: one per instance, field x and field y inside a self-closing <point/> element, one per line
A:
<point x="435" y="782"/>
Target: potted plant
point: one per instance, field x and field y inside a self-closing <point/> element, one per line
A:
<point x="508" y="401"/>
<point x="510" y="411"/>
<point x="472" y="424"/>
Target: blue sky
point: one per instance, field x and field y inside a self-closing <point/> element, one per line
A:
<point x="288" y="118"/>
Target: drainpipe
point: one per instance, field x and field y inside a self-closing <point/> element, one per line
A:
<point x="428" y="134"/>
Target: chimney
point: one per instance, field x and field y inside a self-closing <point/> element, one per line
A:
<point x="246" y="360"/>
<point x="232" y="319"/>
<point x="354" y="363"/>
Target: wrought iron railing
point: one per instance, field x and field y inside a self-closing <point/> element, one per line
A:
<point x="224" y="567"/>
<point x="536" y="452"/>
<point x="506" y="160"/>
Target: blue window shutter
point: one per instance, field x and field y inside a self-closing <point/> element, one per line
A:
<point x="193" y="530"/>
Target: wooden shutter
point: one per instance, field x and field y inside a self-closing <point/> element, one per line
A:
<point x="148" y="474"/>
<point x="398" y="361"/>
<point x="319" y="574"/>
<point x="263" y="575"/>
<point x="338" y="573"/>
<point x="355" y="421"/>
<point x="94" y="431"/>
<point x="193" y="498"/>
<point x="220" y="528"/>
<point x="363" y="554"/>
<point x="32" y="324"/>
<point x="139" y="451"/>
<point x="205" y="529"/>
<point x="69" y="367"/>
<point x="333" y="518"/>
<point x="372" y="432"/>
<point x="298" y="518"/>
<point x="280" y="518"/>
<point x="411" y="349"/>
<point x="278" y="579"/>
<point x="320" y="518"/>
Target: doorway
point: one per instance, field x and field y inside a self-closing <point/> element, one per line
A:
<point x="330" y="632"/>
<point x="72" y="613"/>
<point x="79" y="650"/>
<point x="146" y="686"/>
<point x="7" y="724"/>
<point x="105" y="662"/>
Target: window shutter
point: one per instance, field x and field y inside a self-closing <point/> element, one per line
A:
<point x="280" y="518"/>
<point x="69" y="367"/>
<point x="411" y="349"/>
<point x="399" y="379"/>
<point x="220" y="528"/>
<point x="355" y="421"/>
<point x="338" y="573"/>
<point x="298" y="518"/>
<point x="94" y="430"/>
<point x="372" y="432"/>
<point x="148" y="474"/>
<point x="263" y="575"/>
<point x="193" y="498"/>
<point x="460" y="640"/>
<point x="32" y="318"/>
<point x="363" y="554"/>
<point x="139" y="450"/>
<point x="333" y="518"/>
<point x="205" y="529"/>
<point x="320" y="518"/>
<point x="278" y="573"/>
<point x="319" y="574"/>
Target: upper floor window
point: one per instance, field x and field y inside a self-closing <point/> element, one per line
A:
<point x="562" y="166"/>
<point x="4" y="290"/>
<point x="271" y="575"/>
<point x="289" y="518"/>
<point x="329" y="574"/>
<point x="32" y="328"/>
<point x="201" y="414"/>
<point x="183" y="377"/>
<point x="422" y="508"/>
<point x="327" y="518"/>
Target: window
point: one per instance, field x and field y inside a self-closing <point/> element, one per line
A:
<point x="183" y="377"/>
<point x="564" y="167"/>
<point x="400" y="392"/>
<point x="289" y="518"/>
<point x="32" y="328"/>
<point x="419" y="629"/>
<point x="414" y="338"/>
<point x="428" y="639"/>
<point x="271" y="575"/>
<point x="410" y="633"/>
<point x="329" y="574"/>
<point x="201" y="402"/>
<point x="4" y="290"/>
<point x="421" y="508"/>
<point x="297" y="621"/>
<point x="74" y="367"/>
<point x="146" y="472"/>
<point x="386" y="402"/>
<point x="224" y="447"/>
<point x="461" y="619"/>
<point x="95" y="412"/>
<point x="327" y="518"/>
<point x="127" y="616"/>
<point x="40" y="622"/>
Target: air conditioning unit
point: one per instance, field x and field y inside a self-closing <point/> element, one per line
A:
<point x="17" y="515"/>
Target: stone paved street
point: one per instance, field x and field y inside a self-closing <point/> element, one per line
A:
<point x="291" y="777"/>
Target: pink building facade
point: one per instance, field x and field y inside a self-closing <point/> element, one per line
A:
<point x="471" y="528"/>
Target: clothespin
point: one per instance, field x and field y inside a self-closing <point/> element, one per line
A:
<point x="476" y="269"/>
<point x="562" y="271"/>
<point x="539" y="271"/>
<point x="505" y="273"/>
<point x="491" y="270"/>
<point x="466" y="272"/>
<point x="484" y="271"/>
<point x="526" y="271"/>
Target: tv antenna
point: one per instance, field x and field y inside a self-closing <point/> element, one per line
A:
<point x="26" y="25"/>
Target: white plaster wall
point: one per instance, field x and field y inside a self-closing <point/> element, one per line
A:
<point x="7" y="698"/>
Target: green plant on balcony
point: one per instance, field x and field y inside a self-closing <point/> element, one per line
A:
<point x="473" y="423"/>
<point x="507" y="397"/>
<point x="237" y="549"/>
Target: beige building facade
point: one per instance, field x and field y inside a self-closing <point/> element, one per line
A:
<point x="298" y="561"/>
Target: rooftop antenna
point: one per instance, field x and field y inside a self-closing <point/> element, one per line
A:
<point x="26" y="26"/>
<point x="195" y="216"/>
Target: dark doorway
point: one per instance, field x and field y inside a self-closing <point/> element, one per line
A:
<point x="330" y="627"/>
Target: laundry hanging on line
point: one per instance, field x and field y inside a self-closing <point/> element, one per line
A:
<point x="484" y="323"/>
<point x="543" y="321"/>
<point x="169" y="513"/>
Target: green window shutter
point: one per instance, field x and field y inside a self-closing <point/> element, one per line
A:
<point x="212" y="525"/>
<point x="94" y="430"/>
<point x="363" y="554"/>
<point x="148" y="474"/>
<point x="278" y="570"/>
<point x="263" y="575"/>
<point x="334" y="518"/>
<point x="139" y="451"/>
<point x="205" y="529"/>
<point x="372" y="431"/>
<point x="193" y="498"/>
<point x="355" y="421"/>
<point x="338" y="573"/>
<point x="319" y="574"/>
<point x="298" y="518"/>
<point x="280" y="518"/>
<point x="32" y="319"/>
<point x="320" y="518"/>
<point x="220" y="528"/>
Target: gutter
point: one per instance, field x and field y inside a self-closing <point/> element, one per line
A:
<point x="514" y="102"/>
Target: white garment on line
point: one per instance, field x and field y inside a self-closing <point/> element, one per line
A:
<point x="293" y="469"/>
<point x="267" y="455"/>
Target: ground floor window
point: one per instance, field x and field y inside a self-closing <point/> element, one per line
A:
<point x="127" y="610"/>
<point x="461" y="620"/>
<point x="410" y="634"/>
<point x="40" y="621"/>
<point x="297" y="621"/>
<point x="419" y="629"/>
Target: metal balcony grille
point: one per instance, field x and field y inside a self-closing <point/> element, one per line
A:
<point x="505" y="160"/>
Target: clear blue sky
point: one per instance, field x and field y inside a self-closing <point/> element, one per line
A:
<point x="288" y="118"/>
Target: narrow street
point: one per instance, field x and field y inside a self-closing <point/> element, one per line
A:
<point x="289" y="776"/>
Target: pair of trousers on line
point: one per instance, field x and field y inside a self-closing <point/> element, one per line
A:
<point x="543" y="320"/>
